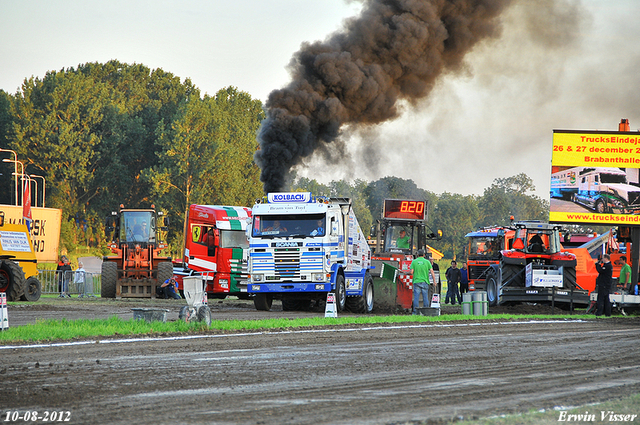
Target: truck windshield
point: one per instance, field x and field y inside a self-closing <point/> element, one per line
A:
<point x="289" y="225"/>
<point x="138" y="226"/>
<point x="484" y="246"/>
<point x="233" y="239"/>
<point x="612" y="178"/>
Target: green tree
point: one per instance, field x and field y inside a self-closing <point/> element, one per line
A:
<point x="206" y="155"/>
<point x="508" y="197"/>
<point x="395" y="188"/>
<point x="92" y="130"/>
<point x="455" y="215"/>
<point x="7" y="191"/>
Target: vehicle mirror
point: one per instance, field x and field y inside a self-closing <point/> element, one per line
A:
<point x="166" y="220"/>
<point x="334" y="226"/>
<point x="518" y="244"/>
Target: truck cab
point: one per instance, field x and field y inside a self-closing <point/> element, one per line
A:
<point x="302" y="247"/>
<point x="216" y="247"/>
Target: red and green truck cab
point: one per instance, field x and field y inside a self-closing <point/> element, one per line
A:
<point x="216" y="247"/>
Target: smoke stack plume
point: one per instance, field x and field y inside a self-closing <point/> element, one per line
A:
<point x="395" y="49"/>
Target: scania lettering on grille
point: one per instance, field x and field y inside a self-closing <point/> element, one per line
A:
<point x="285" y="244"/>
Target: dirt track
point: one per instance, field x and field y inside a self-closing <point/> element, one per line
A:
<point x="348" y="375"/>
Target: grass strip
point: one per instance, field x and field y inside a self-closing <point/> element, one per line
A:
<point x="64" y="329"/>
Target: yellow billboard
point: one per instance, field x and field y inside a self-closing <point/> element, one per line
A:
<point x="45" y="230"/>
<point x="595" y="177"/>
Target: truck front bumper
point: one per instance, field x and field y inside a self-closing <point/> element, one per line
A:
<point x="256" y="288"/>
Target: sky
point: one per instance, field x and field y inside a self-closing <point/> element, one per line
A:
<point x="558" y="64"/>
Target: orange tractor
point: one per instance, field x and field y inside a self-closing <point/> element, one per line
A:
<point x="137" y="267"/>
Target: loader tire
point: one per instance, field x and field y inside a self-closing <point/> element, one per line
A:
<point x="204" y="314"/>
<point x="32" y="290"/>
<point x="11" y="280"/>
<point x="109" y="279"/>
<point x="263" y="301"/>
<point x="364" y="303"/>
<point x="165" y="271"/>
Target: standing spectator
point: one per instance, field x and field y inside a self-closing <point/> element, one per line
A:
<point x="625" y="275"/>
<point x="420" y="268"/>
<point x="79" y="278"/>
<point x="603" y="285"/>
<point x="453" y="278"/>
<point x="464" y="279"/>
<point x="64" y="273"/>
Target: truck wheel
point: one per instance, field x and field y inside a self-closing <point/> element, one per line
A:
<point x="109" y="279"/>
<point x="165" y="271"/>
<point x="32" y="290"/>
<point x="492" y="287"/>
<point x="263" y="301"/>
<point x="341" y="293"/>
<point x="204" y="314"/>
<point x="363" y="303"/>
<point x="11" y="280"/>
<point x="601" y="206"/>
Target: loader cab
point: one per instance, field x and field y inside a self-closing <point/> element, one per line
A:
<point x="138" y="226"/>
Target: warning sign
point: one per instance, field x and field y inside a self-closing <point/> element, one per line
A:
<point x="330" y="309"/>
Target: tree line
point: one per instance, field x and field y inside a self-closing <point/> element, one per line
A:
<point x="108" y="134"/>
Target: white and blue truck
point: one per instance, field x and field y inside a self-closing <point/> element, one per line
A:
<point x="302" y="247"/>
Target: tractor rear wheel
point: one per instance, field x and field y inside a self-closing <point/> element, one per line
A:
<point x="263" y="301"/>
<point x="11" y="280"/>
<point x="109" y="279"/>
<point x="492" y="287"/>
<point x="32" y="290"/>
<point x="363" y="303"/>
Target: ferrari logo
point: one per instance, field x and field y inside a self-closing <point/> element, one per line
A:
<point x="195" y="233"/>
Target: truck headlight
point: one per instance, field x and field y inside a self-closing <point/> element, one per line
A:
<point x="224" y="283"/>
<point x="256" y="277"/>
<point x="317" y="277"/>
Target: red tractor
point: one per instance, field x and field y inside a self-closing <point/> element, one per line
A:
<point x="524" y="263"/>
<point x="137" y="267"/>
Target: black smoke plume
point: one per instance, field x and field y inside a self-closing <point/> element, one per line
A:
<point x="395" y="49"/>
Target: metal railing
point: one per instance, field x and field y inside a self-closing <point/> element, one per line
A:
<point x="80" y="283"/>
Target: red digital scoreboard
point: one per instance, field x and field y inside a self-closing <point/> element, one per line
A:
<point x="404" y="209"/>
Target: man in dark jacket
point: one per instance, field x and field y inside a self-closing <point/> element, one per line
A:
<point x="603" y="285"/>
<point x="64" y="273"/>
<point x="453" y="278"/>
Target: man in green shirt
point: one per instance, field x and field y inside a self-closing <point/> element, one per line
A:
<point x="421" y="268"/>
<point x="625" y="274"/>
<point x="403" y="241"/>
